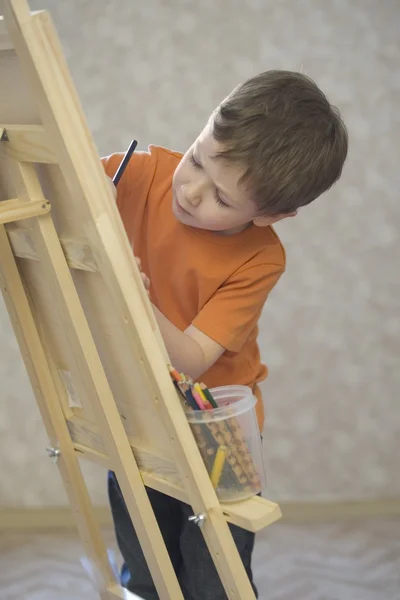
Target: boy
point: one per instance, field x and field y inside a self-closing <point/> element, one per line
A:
<point x="201" y="226"/>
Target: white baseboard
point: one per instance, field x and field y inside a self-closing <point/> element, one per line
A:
<point x="61" y="517"/>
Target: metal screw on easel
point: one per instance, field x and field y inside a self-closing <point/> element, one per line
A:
<point x="198" y="519"/>
<point x="4" y="135"/>
<point x="54" y="453"/>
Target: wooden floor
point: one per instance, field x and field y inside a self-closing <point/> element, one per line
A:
<point x="348" y="560"/>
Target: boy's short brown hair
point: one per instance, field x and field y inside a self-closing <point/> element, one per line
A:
<point x="292" y="143"/>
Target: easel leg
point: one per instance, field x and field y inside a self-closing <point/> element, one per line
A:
<point x="46" y="395"/>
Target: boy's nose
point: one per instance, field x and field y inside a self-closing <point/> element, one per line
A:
<point x="192" y="193"/>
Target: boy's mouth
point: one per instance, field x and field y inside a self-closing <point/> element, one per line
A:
<point x="180" y="207"/>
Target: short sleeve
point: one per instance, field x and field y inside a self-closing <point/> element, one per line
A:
<point x="136" y="175"/>
<point x="233" y="312"/>
<point x="134" y="185"/>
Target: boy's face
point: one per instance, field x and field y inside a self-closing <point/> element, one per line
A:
<point x="206" y="191"/>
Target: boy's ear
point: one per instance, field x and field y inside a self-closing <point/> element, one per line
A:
<point x="265" y="220"/>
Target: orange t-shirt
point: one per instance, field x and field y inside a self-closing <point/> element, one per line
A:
<point x="217" y="283"/>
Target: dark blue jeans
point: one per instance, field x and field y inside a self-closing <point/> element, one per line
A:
<point x="188" y="551"/>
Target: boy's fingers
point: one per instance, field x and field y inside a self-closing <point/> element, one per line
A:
<point x="145" y="279"/>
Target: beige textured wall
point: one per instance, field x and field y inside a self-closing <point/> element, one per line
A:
<point x="331" y="331"/>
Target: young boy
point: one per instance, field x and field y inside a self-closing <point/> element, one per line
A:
<point x="201" y="226"/>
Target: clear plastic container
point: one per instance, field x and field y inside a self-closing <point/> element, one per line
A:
<point x="230" y="443"/>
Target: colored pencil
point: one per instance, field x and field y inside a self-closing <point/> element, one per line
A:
<point x="198" y="399"/>
<point x="203" y="397"/>
<point x="174" y="374"/>
<point x="180" y="391"/>
<point x="186" y="378"/>
<point x="191" y="400"/>
<point x="218" y="466"/>
<point x="124" y="162"/>
<point x="208" y="395"/>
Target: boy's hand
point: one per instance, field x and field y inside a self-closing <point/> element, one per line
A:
<point x="145" y="279"/>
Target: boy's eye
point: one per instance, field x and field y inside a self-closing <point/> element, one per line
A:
<point x="194" y="161"/>
<point x="219" y="200"/>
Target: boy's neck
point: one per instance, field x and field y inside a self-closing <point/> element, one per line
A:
<point x="235" y="231"/>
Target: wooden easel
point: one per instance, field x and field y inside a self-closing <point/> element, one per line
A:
<point x="83" y="321"/>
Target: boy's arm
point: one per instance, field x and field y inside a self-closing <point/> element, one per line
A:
<point x="190" y="351"/>
<point x="224" y="323"/>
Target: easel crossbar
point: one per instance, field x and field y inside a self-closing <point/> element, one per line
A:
<point x="16" y="210"/>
